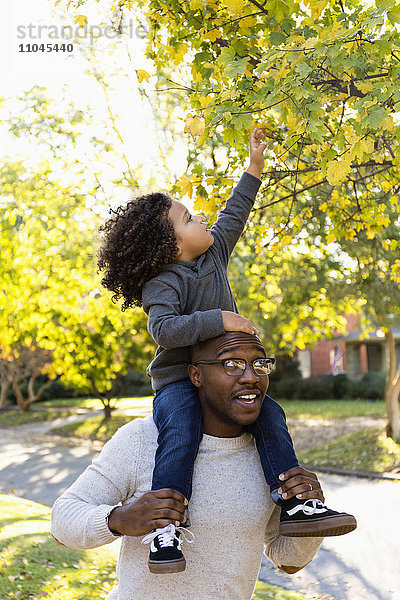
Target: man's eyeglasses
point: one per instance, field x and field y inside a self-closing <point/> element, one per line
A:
<point x="237" y="366"/>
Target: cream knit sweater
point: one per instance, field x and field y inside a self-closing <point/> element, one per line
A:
<point x="232" y="515"/>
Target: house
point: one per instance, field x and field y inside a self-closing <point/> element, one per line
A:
<point x="353" y="353"/>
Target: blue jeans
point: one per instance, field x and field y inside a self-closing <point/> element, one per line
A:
<point x="178" y="417"/>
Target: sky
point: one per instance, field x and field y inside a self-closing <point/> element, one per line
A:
<point x="38" y="22"/>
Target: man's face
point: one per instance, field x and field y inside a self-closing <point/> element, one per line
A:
<point x="228" y="402"/>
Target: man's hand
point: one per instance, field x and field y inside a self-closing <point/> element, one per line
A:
<point x="257" y="148"/>
<point x="297" y="483"/>
<point x="153" y="510"/>
<point x="234" y="322"/>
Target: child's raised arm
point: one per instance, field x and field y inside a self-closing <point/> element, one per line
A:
<point x="232" y="219"/>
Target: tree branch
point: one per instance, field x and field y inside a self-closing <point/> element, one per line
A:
<point x="260" y="6"/>
<point x="305" y="189"/>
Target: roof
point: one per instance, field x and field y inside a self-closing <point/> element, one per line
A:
<point x="372" y="336"/>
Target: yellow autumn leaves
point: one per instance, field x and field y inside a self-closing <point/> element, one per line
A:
<point x="142" y="75"/>
<point x="194" y="125"/>
<point x="337" y="171"/>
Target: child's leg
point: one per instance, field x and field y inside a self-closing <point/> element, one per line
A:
<point x="273" y="441"/>
<point x="178" y="417"/>
<point x="299" y="518"/>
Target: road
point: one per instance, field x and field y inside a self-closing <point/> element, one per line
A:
<point x="363" y="565"/>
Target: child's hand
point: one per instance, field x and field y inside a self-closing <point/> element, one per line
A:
<point x="234" y="322"/>
<point x="257" y="148"/>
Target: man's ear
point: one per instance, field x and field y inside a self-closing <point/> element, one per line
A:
<point x="194" y="374"/>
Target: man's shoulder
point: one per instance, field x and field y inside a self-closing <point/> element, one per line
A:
<point x="138" y="429"/>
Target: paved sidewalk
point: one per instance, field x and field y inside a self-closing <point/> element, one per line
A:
<point x="363" y="565"/>
<point x="39" y="468"/>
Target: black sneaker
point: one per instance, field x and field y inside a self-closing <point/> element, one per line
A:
<point x="166" y="549"/>
<point x="311" y="518"/>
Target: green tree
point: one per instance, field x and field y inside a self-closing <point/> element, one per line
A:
<point x="50" y="240"/>
<point x="289" y="295"/>
<point x="97" y="346"/>
<point x="50" y="297"/>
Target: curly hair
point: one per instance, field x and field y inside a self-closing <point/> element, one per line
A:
<point x="138" y="240"/>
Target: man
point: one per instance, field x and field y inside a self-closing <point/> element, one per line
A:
<point x="232" y="515"/>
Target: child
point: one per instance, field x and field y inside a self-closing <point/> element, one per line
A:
<point x="156" y="254"/>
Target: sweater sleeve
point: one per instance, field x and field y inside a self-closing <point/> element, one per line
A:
<point x="78" y="517"/>
<point x="232" y="219"/>
<point x="167" y="326"/>
<point x="295" y="552"/>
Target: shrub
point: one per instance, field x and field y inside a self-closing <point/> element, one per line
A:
<point x="286" y="376"/>
<point x="374" y="385"/>
<point x="370" y="387"/>
<point x="317" y="388"/>
<point x="357" y="389"/>
<point x="285" y="388"/>
<point x="341" y="386"/>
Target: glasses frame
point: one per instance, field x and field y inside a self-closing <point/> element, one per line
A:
<point x="222" y="362"/>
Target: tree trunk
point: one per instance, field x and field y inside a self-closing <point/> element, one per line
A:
<point x="392" y="390"/>
<point x="5" y="387"/>
<point x="32" y="396"/>
<point x="107" y="409"/>
<point x="22" y="405"/>
<point x="5" y="383"/>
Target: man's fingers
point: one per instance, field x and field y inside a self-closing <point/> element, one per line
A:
<point x="315" y="494"/>
<point x="170" y="493"/>
<point x="159" y="524"/>
<point x="299" y="480"/>
<point x="167" y="513"/>
<point x="301" y="483"/>
<point x="297" y="471"/>
<point x="302" y="488"/>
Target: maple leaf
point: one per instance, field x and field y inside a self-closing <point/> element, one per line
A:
<point x="330" y="238"/>
<point x="367" y="145"/>
<point x="194" y="125"/>
<point x="235" y="7"/>
<point x="185" y="186"/>
<point x="142" y="75"/>
<point x="337" y="171"/>
<point x="80" y="20"/>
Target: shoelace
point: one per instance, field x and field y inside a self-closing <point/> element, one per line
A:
<point x="167" y="535"/>
<point x="315" y="507"/>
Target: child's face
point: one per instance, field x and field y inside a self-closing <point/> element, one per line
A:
<point x="192" y="235"/>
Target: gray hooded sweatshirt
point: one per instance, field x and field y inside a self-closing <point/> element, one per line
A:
<point x="184" y="301"/>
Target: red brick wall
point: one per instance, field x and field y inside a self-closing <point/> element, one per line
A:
<point x="320" y="355"/>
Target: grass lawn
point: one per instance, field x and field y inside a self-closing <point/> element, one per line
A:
<point x="15" y="417"/>
<point x="33" y="566"/>
<point x="95" y="404"/>
<point x="333" y="409"/>
<point x="94" y="428"/>
<point x="293" y="408"/>
<point x="325" y="409"/>
<point x="366" y="450"/>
